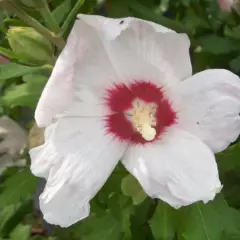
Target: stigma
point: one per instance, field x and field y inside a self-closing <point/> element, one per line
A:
<point x="142" y="117"/>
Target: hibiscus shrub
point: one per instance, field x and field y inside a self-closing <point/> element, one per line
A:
<point x="32" y="35"/>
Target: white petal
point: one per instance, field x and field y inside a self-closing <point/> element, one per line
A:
<point x="180" y="169"/>
<point x="168" y="52"/>
<point x="82" y="156"/>
<point x="96" y="58"/>
<point x="108" y="62"/>
<point x="211" y="107"/>
<point x="112" y="27"/>
<point x="57" y="93"/>
<point x="44" y="157"/>
<point x="159" y="46"/>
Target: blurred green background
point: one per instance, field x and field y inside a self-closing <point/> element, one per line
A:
<point x="32" y="34"/>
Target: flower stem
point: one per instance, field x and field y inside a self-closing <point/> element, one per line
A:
<point x="71" y="15"/>
<point x="50" y="21"/>
<point x="14" y="8"/>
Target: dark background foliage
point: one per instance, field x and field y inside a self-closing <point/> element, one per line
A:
<point x="121" y="210"/>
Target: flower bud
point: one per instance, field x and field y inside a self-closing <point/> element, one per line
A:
<point x="30" y="45"/>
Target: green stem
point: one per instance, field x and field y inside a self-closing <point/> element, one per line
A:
<point x="71" y="15"/>
<point x="14" y="8"/>
<point x="50" y="21"/>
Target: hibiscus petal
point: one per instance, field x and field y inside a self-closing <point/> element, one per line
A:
<point x="152" y="42"/>
<point x="81" y="157"/>
<point x="211" y="107"/>
<point x="57" y="93"/>
<point x="180" y="169"/>
<point x="92" y="57"/>
<point x="112" y="27"/>
<point x="168" y="52"/>
<point x="41" y="160"/>
<point x="108" y="62"/>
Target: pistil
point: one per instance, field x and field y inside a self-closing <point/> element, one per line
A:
<point x="142" y="116"/>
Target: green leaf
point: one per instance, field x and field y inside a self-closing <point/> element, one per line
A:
<point x="209" y="221"/>
<point x="22" y="210"/>
<point x="122" y="210"/>
<point x="235" y="64"/>
<point x="232" y="33"/>
<point x="6" y="213"/>
<point x="26" y="94"/>
<point x="29" y="3"/>
<point x="193" y="22"/>
<point x="201" y="222"/>
<point x="1" y="18"/>
<point x="18" y="187"/>
<point x="61" y="11"/>
<point x="93" y="228"/>
<point x="163" y="222"/>
<point x="139" y="221"/>
<point x="119" y="8"/>
<point x="21" y="232"/>
<point x="131" y="188"/>
<point x="217" y="45"/>
<point x="145" y="13"/>
<point x="13" y="70"/>
<point x="228" y="160"/>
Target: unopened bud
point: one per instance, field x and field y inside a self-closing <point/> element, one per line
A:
<point x="30" y="45"/>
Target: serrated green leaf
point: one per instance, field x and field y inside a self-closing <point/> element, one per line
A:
<point x="217" y="45"/>
<point x="21" y="232"/>
<point x="18" y="187"/>
<point x="163" y="222"/>
<point x="26" y="94"/>
<point x="131" y="188"/>
<point x="13" y="70"/>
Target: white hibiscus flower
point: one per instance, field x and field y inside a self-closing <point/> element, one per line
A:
<point x="123" y="89"/>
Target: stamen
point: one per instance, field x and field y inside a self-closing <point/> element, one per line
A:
<point x="142" y="116"/>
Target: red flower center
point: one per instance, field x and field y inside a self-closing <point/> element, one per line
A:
<point x="122" y="99"/>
